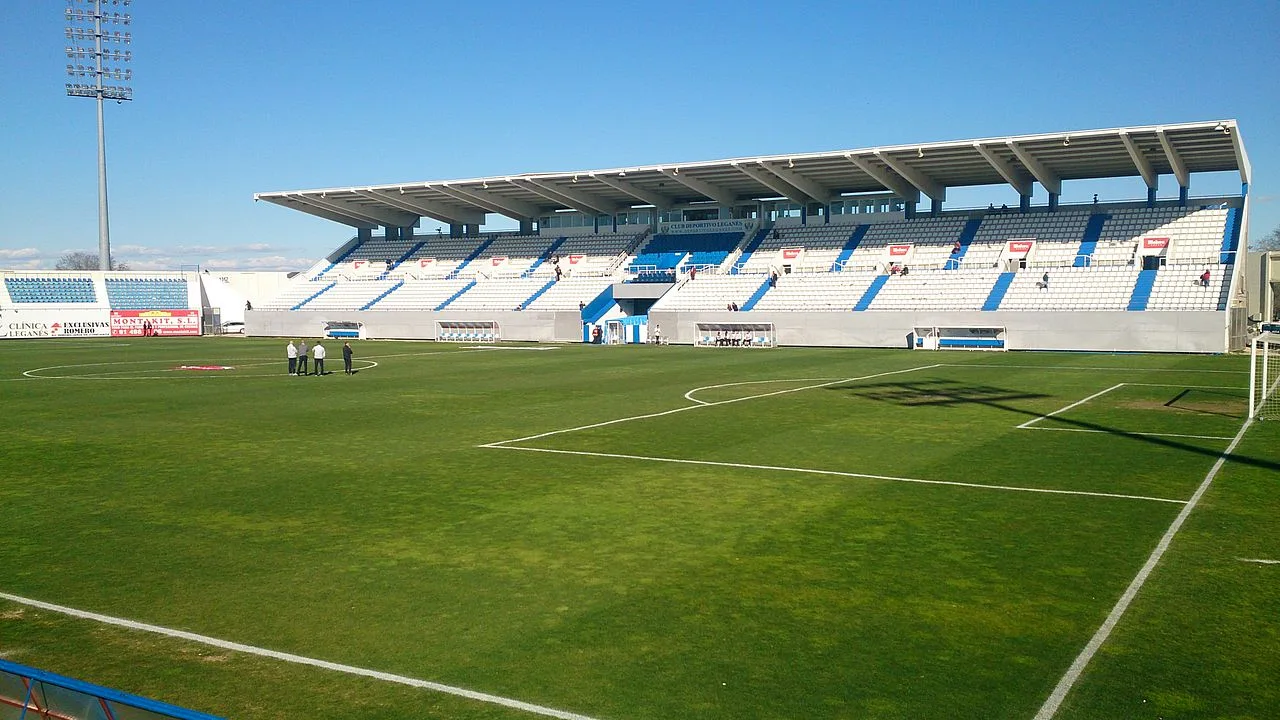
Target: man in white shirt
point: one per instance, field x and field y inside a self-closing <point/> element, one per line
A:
<point x="291" y="352"/>
<point x="318" y="353"/>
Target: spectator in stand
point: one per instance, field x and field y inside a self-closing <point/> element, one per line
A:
<point x="1204" y="278"/>
<point x="1044" y="282"/>
<point x="581" y="306"/>
<point x="346" y="359"/>
<point x="291" y="352"/>
<point x="955" y="249"/>
<point x="733" y="307"/>
<point x="559" y="273"/>
<point x="773" y="279"/>
<point x="248" y="305"/>
<point x="319" y="352"/>
<point x="894" y="269"/>
<point x="905" y="270"/>
<point x="693" y="273"/>
<point x="302" y="357"/>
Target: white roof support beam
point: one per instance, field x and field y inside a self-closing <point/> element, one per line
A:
<point x="922" y="182"/>
<point x="511" y="207"/>
<point x="367" y="215"/>
<point x="773" y="182"/>
<point x="292" y="202"/>
<point x="658" y="200"/>
<point x="1020" y="182"/>
<point x="580" y="201"/>
<point x="1175" y="160"/>
<point x="808" y="187"/>
<point x="1140" y="161"/>
<point x="886" y="177"/>
<point x="714" y="192"/>
<point x="1046" y="177"/>
<point x="449" y="214"/>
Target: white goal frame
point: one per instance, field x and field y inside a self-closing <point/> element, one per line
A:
<point x="1264" y="377"/>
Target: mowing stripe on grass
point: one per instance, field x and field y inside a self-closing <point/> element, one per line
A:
<point x="1028" y="423"/>
<point x="504" y="443"/>
<point x="1089" y="368"/>
<point x="1125" y="432"/>
<point x="838" y="473"/>
<point x="1051" y="705"/>
<point x="298" y="659"/>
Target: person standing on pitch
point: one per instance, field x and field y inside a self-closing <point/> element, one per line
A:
<point x="346" y="358"/>
<point x="291" y="352"/>
<point x="302" y="357"/>
<point x="318" y="352"/>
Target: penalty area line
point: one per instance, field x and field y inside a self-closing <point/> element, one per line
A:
<point x="299" y="659"/>
<point x="1069" y="679"/>
<point x="839" y="473"/>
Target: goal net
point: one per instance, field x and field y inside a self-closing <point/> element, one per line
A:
<point x="1264" y="377"/>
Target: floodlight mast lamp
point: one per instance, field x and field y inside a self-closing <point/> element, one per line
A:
<point x="84" y="24"/>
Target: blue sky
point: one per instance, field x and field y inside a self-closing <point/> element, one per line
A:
<point x="243" y="96"/>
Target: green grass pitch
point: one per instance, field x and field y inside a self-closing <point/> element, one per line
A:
<point x="640" y="533"/>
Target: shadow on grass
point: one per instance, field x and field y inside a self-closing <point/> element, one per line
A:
<point x="949" y="392"/>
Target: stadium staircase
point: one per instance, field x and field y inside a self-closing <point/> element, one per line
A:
<point x="453" y="274"/>
<point x="1230" y="237"/>
<point x="387" y="273"/>
<point x="550" y="284"/>
<point x="750" y="248"/>
<point x="356" y="242"/>
<point x="541" y="259"/>
<point x="871" y="293"/>
<point x="998" y="291"/>
<point x="966" y="237"/>
<point x="1092" y="231"/>
<point x="597" y="308"/>
<point x="755" y="297"/>
<point x="1142" y="290"/>
<point x="850" y="245"/>
<point x="315" y="295"/>
<point x="369" y="305"/>
<point x="456" y="295"/>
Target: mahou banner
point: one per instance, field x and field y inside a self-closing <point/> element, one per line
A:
<point x="134" y="323"/>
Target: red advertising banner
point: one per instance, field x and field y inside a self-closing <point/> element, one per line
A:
<point x="575" y="259"/>
<point x="425" y="262"/>
<point x="1155" y="243"/>
<point x="791" y="253"/>
<point x="498" y="260"/>
<point x="1020" y="247"/>
<point x="899" y="250"/>
<point x="359" y="264"/>
<point x="136" y="323"/>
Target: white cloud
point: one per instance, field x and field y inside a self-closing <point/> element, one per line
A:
<point x="19" y="253"/>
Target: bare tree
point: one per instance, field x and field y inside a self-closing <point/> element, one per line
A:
<point x="79" y="260"/>
<point x="1270" y="241"/>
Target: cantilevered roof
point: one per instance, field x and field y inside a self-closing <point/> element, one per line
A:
<point x="909" y="171"/>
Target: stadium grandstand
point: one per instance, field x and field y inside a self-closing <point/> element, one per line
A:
<point x="832" y="248"/>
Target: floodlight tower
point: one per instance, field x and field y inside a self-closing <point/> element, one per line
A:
<point x="86" y="23"/>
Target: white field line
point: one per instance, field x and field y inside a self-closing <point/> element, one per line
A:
<point x="689" y="395"/>
<point x="837" y="473"/>
<point x="1260" y="561"/>
<point x="1051" y="705"/>
<point x="1109" y="432"/>
<point x="1077" y="403"/>
<point x="502" y="443"/>
<point x="1191" y="387"/>
<point x="299" y="659"/>
<point x="1086" y="368"/>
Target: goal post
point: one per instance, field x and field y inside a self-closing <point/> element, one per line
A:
<point x="1264" y="375"/>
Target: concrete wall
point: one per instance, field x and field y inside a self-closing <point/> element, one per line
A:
<point x="1194" y="332"/>
<point x="1190" y="332"/>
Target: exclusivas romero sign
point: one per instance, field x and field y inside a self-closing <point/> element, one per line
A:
<point x="17" y="324"/>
